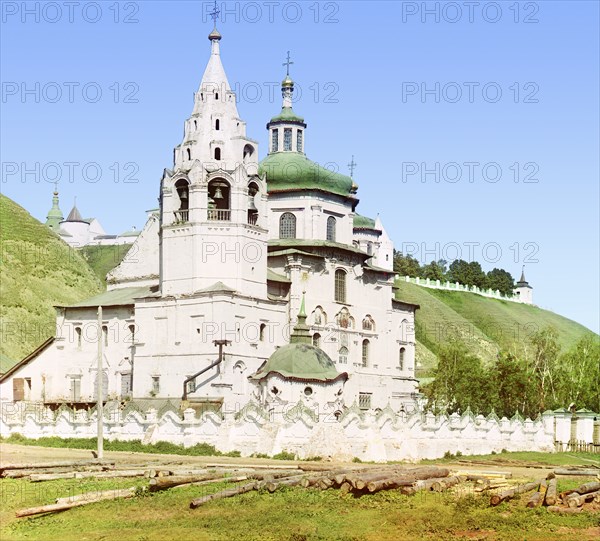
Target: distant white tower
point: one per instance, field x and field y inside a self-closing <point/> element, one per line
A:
<point x="524" y="290"/>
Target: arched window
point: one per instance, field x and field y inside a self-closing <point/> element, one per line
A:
<point x="195" y="125"/>
<point x="299" y="140"/>
<point x="183" y="192"/>
<point x="343" y="355"/>
<point x="105" y="335"/>
<point x="368" y="324"/>
<point x="275" y="140"/>
<point x="401" y="358"/>
<point x="78" y="335"/>
<point x="261" y="333"/>
<point x="248" y="151"/>
<point x="239" y="381"/>
<point x="216" y="95"/>
<point x="217" y="124"/>
<point x="331" y="221"/>
<point x="365" y="353"/>
<point x="319" y="316"/>
<point x="370" y="248"/>
<point x="189" y="153"/>
<point x="340" y="286"/>
<point x="217" y="153"/>
<point x="316" y="340"/>
<point x="344" y="319"/>
<point x="287" y="226"/>
<point x="356" y="244"/>
<point x="132" y="332"/>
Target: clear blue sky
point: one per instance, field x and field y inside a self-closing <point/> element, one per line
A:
<point x="366" y="70"/>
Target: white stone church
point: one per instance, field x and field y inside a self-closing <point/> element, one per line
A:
<point x="252" y="281"/>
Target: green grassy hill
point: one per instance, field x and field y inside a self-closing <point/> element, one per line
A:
<point x="103" y="259"/>
<point x="484" y="324"/>
<point x="37" y="271"/>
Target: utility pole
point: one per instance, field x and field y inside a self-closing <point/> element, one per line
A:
<point x="99" y="389"/>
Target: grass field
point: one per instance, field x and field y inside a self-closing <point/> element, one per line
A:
<point x="485" y="324"/>
<point x="291" y="514"/>
<point x="38" y="271"/>
<point x="103" y="259"/>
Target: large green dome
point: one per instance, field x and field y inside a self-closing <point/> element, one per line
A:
<point x="300" y="362"/>
<point x="288" y="171"/>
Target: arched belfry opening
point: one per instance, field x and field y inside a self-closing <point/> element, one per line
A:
<point x="182" y="187"/>
<point x="252" y="208"/>
<point x="248" y="152"/>
<point x="219" y="200"/>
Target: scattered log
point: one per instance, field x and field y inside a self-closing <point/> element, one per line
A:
<point x="228" y="493"/>
<point x="36" y="478"/>
<point x="564" y="510"/>
<point x="272" y="486"/>
<point x="47" y="465"/>
<point x="551" y="498"/>
<point x="54" y="507"/>
<point x="471" y="474"/>
<point x="584" y="473"/>
<point x="442" y="484"/>
<point x="97" y="496"/>
<point x="496" y="499"/>
<point x="163" y="483"/>
<point x="535" y="500"/>
<point x="345" y="487"/>
<point x="593" y="486"/>
<point x="576" y="500"/>
<point x="254" y="466"/>
<point x="212" y="481"/>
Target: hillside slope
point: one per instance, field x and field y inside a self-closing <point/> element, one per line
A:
<point x="484" y="324"/>
<point x="103" y="259"/>
<point x="37" y="271"/>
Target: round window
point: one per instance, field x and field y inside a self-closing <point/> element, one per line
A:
<point x="308" y="391"/>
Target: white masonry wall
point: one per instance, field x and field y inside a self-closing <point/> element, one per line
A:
<point x="299" y="429"/>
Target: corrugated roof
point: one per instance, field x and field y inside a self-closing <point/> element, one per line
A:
<point x="116" y="297"/>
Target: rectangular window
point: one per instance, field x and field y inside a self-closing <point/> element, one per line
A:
<point x="75" y="389"/>
<point x="364" y="401"/>
<point x="287" y="139"/>
<point x="275" y="140"/>
<point x="299" y="141"/>
<point x="340" y="286"/>
<point x="155" y="384"/>
<point x="18" y="389"/>
<point x="125" y="385"/>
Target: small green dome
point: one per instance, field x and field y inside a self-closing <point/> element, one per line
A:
<point x="294" y="171"/>
<point x="287" y="115"/>
<point x="300" y="362"/>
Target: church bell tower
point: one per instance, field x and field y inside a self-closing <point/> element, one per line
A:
<point x="213" y="203"/>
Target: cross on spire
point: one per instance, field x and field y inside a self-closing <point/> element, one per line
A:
<point x="287" y="64"/>
<point x="215" y="13"/>
<point x="352" y="165"/>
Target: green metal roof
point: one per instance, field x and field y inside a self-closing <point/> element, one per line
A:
<point x="362" y="222"/>
<point x="300" y="362"/>
<point x="294" y="171"/>
<point x="217" y="287"/>
<point x="116" y="297"/>
<point x="287" y="115"/>
<point x="131" y="233"/>
<point x="313" y="243"/>
<point x="275" y="277"/>
<point x="6" y="363"/>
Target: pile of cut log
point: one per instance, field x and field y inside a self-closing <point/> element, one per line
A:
<point x="356" y="480"/>
<point x="545" y="492"/>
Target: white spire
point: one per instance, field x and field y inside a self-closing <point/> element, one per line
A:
<point x="214" y="78"/>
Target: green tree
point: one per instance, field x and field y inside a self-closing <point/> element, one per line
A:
<point x="406" y="265"/>
<point x="579" y="374"/>
<point x="470" y="274"/>
<point x="544" y="367"/>
<point x="436" y="270"/>
<point x="460" y="381"/>
<point x="512" y="386"/>
<point x="501" y="280"/>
